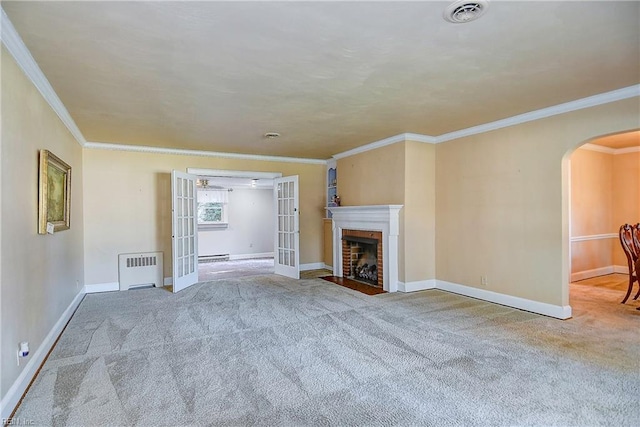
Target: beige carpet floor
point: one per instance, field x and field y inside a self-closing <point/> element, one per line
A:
<point x="266" y="350"/>
<point x="214" y="270"/>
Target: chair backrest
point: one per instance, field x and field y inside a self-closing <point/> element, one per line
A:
<point x="630" y="241"/>
<point x="636" y="238"/>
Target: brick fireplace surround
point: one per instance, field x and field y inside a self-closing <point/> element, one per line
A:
<point x="377" y="218"/>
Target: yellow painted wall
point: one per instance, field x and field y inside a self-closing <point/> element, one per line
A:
<point x="128" y="205"/>
<point x="375" y="177"/>
<point x="500" y="204"/>
<point x="41" y="274"/>
<point x="626" y="196"/>
<point x="402" y="173"/>
<point x="591" y="209"/>
<point x="605" y="193"/>
<point x="420" y="211"/>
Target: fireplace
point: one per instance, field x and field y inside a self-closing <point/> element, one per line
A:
<point x="362" y="256"/>
<point x="376" y="222"/>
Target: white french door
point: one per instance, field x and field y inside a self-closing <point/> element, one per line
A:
<point x="287" y="238"/>
<point x="184" y="230"/>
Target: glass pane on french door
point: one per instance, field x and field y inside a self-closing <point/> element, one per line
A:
<point x="287" y="226"/>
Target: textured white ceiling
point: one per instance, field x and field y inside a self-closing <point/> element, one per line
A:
<point x="328" y="76"/>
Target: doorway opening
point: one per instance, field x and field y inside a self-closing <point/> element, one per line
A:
<point x="601" y="182"/>
<point x="235" y="223"/>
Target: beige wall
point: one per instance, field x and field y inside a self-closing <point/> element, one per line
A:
<point x="420" y="211"/>
<point x="605" y="191"/>
<point x="41" y="275"/>
<point x="591" y="209"/>
<point x="375" y="177"/>
<point x="128" y="205"/>
<point x="402" y="173"/>
<point x="501" y="202"/>
<point x="626" y="196"/>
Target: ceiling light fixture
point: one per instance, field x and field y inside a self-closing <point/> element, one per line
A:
<point x="271" y="135"/>
<point x="462" y="11"/>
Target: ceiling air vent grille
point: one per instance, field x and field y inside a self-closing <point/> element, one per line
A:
<point x="463" y="11"/>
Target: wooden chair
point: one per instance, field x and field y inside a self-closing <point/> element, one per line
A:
<point x="630" y="241"/>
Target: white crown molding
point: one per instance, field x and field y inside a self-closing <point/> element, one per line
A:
<point x="420" y="138"/>
<point x="608" y="150"/>
<point x="387" y="141"/>
<point x="599" y="148"/>
<point x="16" y="47"/>
<point x="579" y="104"/>
<point x="627" y="150"/>
<point x="159" y="150"/>
<point x="370" y="146"/>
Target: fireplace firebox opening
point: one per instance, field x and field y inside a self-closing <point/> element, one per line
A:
<point x="362" y="257"/>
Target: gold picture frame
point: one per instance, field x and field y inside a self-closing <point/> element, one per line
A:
<point x="54" y="195"/>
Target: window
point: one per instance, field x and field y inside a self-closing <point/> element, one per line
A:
<point x="212" y="208"/>
<point x="210" y="212"/>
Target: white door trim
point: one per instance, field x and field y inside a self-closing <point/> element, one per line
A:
<point x="233" y="174"/>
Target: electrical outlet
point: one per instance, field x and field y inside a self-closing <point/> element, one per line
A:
<point x="483" y="280"/>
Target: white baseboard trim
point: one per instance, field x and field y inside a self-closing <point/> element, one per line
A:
<point x="15" y="392"/>
<point x="587" y="274"/>
<point x="602" y="271"/>
<point x="328" y="267"/>
<point x="168" y="281"/>
<point x="622" y="269"/>
<point x="312" y="266"/>
<point x="101" y="287"/>
<point x="557" y="311"/>
<point x="419" y="285"/>
<point x="250" y="256"/>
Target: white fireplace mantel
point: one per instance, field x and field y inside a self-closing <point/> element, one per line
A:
<point x="384" y="218"/>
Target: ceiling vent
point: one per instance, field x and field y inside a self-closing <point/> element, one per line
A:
<point x="463" y="11"/>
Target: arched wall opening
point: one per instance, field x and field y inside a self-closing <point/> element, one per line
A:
<point x="582" y="245"/>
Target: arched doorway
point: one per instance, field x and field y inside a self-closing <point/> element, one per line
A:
<point x="601" y="187"/>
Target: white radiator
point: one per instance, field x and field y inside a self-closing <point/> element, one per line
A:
<point x="140" y="269"/>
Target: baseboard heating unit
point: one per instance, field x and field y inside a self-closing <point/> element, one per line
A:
<point x="213" y="258"/>
<point x="140" y="269"/>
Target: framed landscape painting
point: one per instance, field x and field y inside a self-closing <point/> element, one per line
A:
<point x="54" y="195"/>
